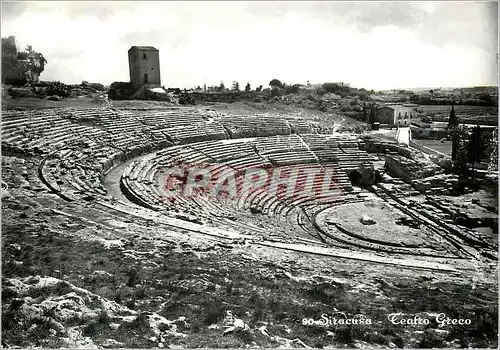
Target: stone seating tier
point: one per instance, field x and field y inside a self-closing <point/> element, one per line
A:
<point x="90" y="142"/>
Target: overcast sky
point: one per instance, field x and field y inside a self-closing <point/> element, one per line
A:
<point x="373" y="45"/>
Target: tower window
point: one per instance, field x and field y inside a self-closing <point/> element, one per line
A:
<point x="144" y="56"/>
<point x="145" y="78"/>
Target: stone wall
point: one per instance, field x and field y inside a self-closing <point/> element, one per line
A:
<point x="409" y="169"/>
<point x="375" y="145"/>
<point x="228" y="97"/>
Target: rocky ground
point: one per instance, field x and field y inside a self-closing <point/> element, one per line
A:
<point x="71" y="281"/>
<point x="332" y="118"/>
<point x="66" y="284"/>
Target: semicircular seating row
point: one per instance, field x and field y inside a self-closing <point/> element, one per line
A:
<point x="46" y="130"/>
<point x="88" y="141"/>
<point x="78" y="146"/>
<point x="143" y="179"/>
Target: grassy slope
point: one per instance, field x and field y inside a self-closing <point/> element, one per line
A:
<point x="202" y="282"/>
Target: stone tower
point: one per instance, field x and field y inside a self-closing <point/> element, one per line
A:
<point x="144" y="66"/>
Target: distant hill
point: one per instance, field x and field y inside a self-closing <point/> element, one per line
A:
<point x="468" y="89"/>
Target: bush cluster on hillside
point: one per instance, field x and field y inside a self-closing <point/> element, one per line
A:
<point x="21" y="92"/>
<point x="185" y="99"/>
<point x="121" y="90"/>
<point x="58" y="88"/>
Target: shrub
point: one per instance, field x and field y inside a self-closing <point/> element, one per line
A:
<point x="287" y="88"/>
<point x="21" y="92"/>
<point x="131" y="303"/>
<point x="96" y="327"/>
<point x="321" y="92"/>
<point x="399" y="342"/>
<point x="430" y="340"/>
<point x="141" y="292"/>
<point x="295" y="88"/>
<point x="344" y="336"/>
<point x="214" y="312"/>
<point x="42" y="92"/>
<point x="331" y="87"/>
<point x="12" y="93"/>
<point x="133" y="278"/>
<point x="375" y="337"/>
<point x="119" y="90"/>
<point x="186" y="99"/>
<point x="276" y="92"/>
<point x="96" y="86"/>
<point x="58" y="88"/>
<point x="246" y="336"/>
<point x="311" y="97"/>
<point x="118" y="297"/>
<point x="354" y="101"/>
<point x="275" y="83"/>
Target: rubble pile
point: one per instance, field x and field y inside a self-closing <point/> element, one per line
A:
<point x="408" y="169"/>
<point x="442" y="184"/>
<point x="87" y="89"/>
<point x="69" y="314"/>
<point x="377" y="145"/>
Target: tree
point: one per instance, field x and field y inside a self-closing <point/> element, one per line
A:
<point x="493" y="163"/>
<point x="236" y="86"/>
<point x="414" y="98"/>
<point x="373" y="114"/>
<point x="458" y="136"/>
<point x="222" y="87"/>
<point x="21" y="67"/>
<point x="247" y="87"/>
<point x="295" y="88"/>
<point x="275" y="83"/>
<point x="35" y="65"/>
<point x="364" y="110"/>
<point x="259" y="89"/>
<point x="453" y="121"/>
<point x="22" y="56"/>
<point x="288" y="88"/>
<point x="455" y="143"/>
<point x="478" y="147"/>
<point x="332" y="87"/>
<point x="486" y="99"/>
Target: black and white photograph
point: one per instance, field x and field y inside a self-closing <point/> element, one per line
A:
<point x="249" y="174"/>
